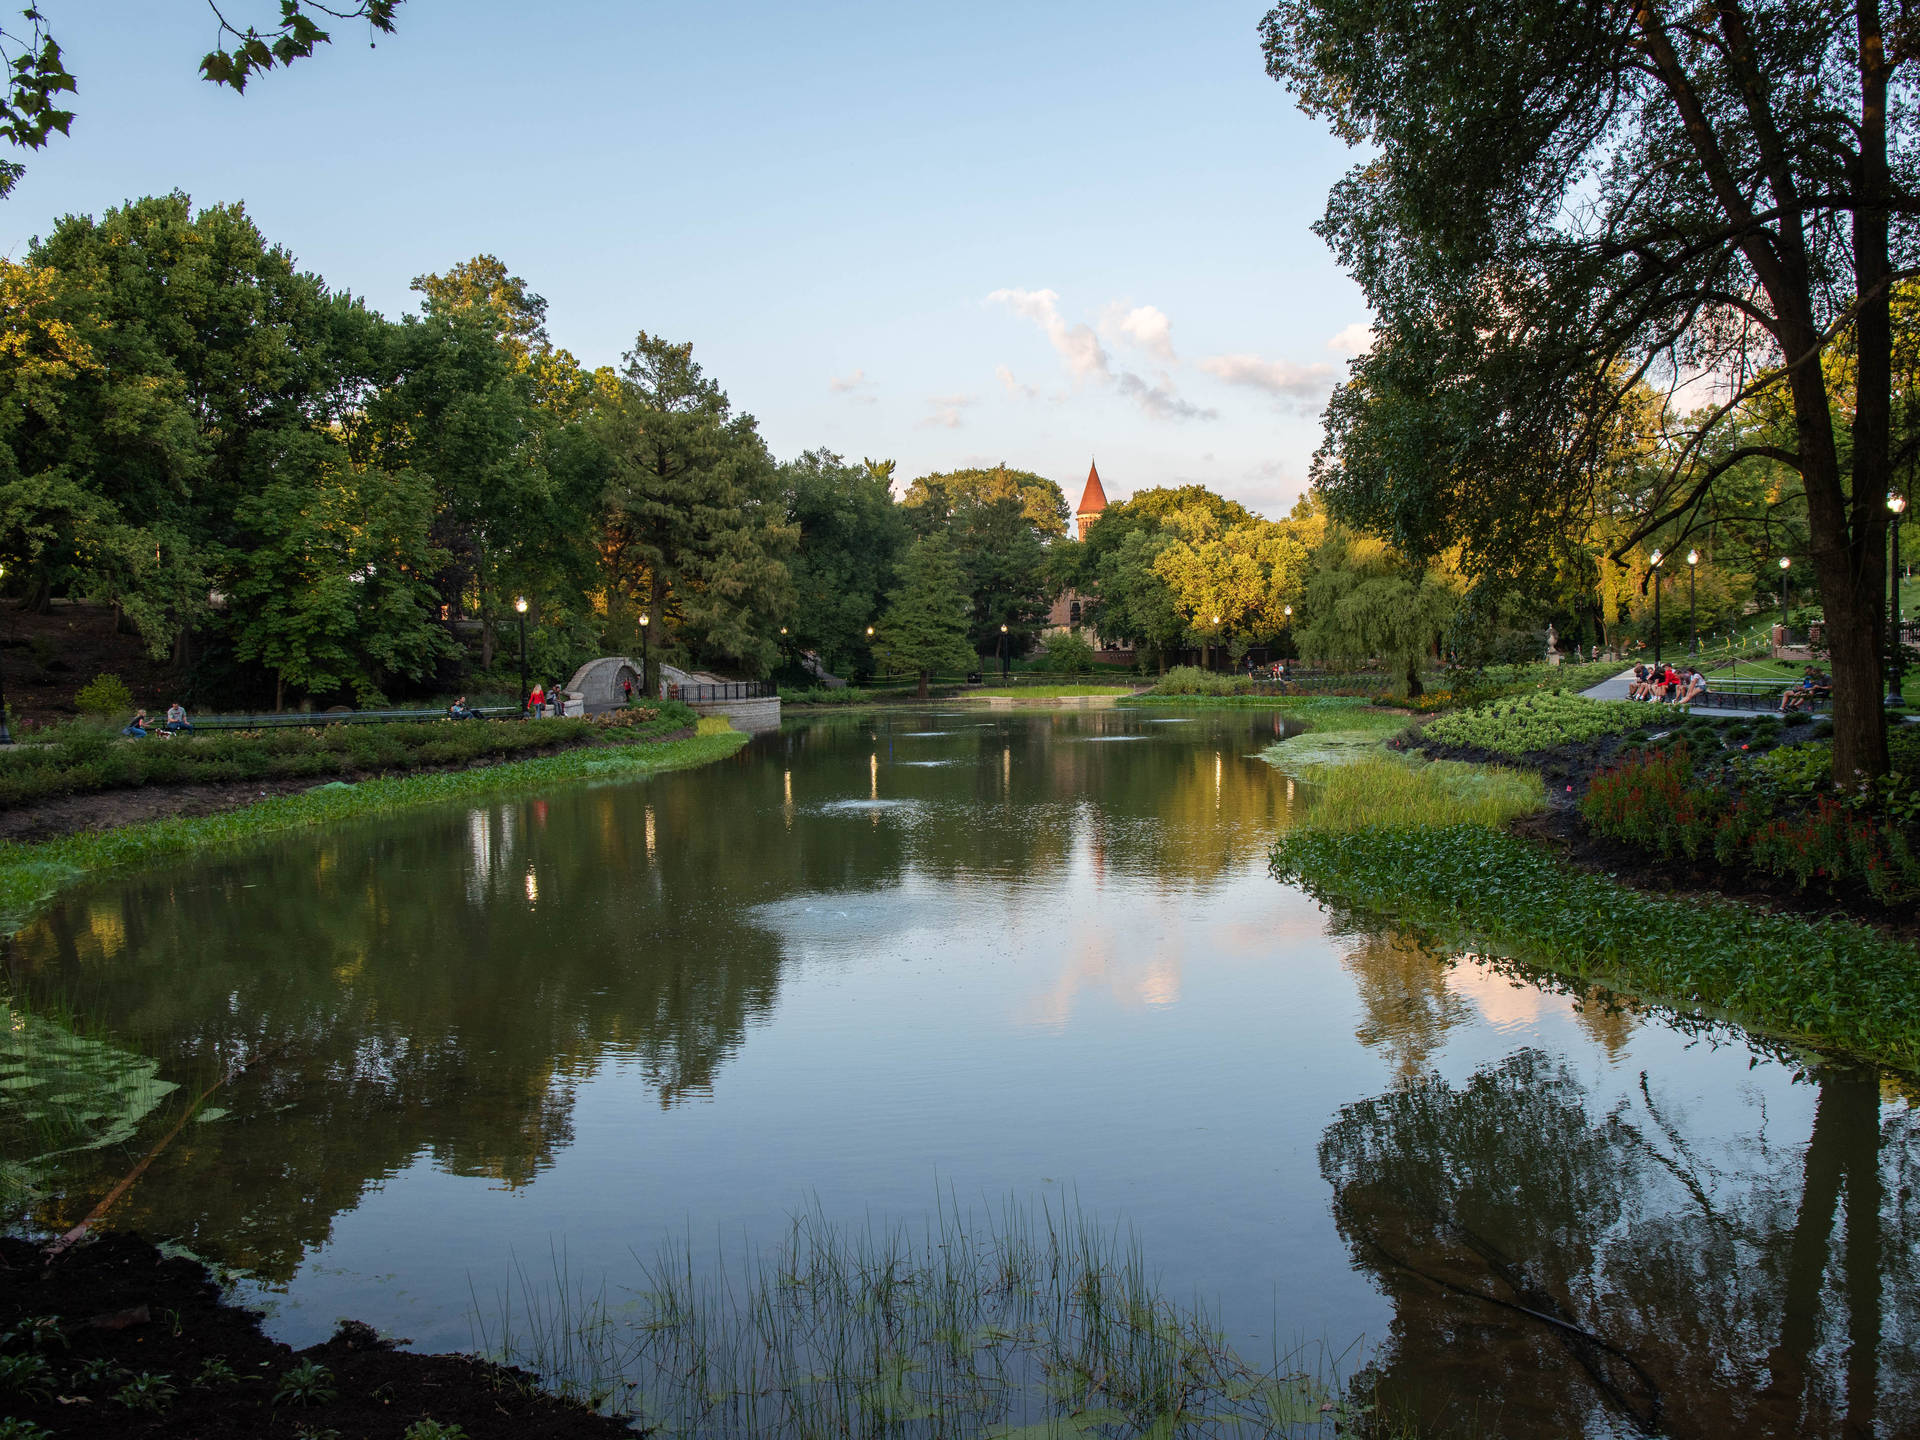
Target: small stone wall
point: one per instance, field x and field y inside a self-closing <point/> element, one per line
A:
<point x="750" y="717"/>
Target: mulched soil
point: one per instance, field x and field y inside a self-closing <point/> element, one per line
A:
<point x="119" y="1306"/>
<point x="46" y="658"/>
<point x="1566" y="770"/>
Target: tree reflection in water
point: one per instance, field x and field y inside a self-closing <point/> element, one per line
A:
<point x="1560" y="1270"/>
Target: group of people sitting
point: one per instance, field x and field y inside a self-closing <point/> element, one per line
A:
<point x="1664" y="685"/>
<point x="1814" y="685"/>
<point x="176" y="724"/>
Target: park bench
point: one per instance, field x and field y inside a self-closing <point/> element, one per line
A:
<point x="1752" y="695"/>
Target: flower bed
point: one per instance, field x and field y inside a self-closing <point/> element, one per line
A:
<point x="1522" y="725"/>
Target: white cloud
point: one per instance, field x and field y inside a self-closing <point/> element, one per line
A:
<point x="1015" y="387"/>
<point x="842" y="384"/>
<point x="1282" y="379"/>
<point x="1356" y="339"/>
<point x="1158" y="399"/>
<point x="1086" y="358"/>
<point x="1145" y="326"/>
<point x="944" y="412"/>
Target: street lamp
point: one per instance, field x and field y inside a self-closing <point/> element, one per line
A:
<point x="1693" y="628"/>
<point x="1657" y="558"/>
<point x="520" y="604"/>
<point x="1897" y="669"/>
<point x="1786" y="563"/>
<point x="646" y="677"/>
<point x="1003" y="654"/>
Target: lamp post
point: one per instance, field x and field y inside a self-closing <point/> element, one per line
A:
<point x="646" y="670"/>
<point x="1657" y="558"/>
<point x="1786" y="564"/>
<point x="1214" y="641"/>
<point x="1897" y="666"/>
<point x="520" y="605"/>
<point x="1003" y="654"/>
<point x="1693" y="625"/>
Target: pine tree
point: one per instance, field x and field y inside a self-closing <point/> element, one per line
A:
<point x="925" y="627"/>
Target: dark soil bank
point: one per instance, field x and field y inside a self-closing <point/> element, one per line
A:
<point x="129" y="1343"/>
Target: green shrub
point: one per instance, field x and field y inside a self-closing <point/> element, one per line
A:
<point x="1192" y="680"/>
<point x="1068" y="654"/>
<point x="104" y="695"/>
<point x="1523" y="724"/>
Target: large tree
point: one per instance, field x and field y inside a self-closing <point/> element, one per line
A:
<point x="1566" y="197"/>
<point x="925" y="625"/>
<point x="693" y="535"/>
<point x="851" y="535"/>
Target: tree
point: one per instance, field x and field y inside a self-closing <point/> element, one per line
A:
<point x="935" y="500"/>
<point x="330" y="578"/>
<point x="1564" y="198"/>
<point x="693" y="531"/>
<point x="1365" y="600"/>
<point x="37" y="75"/>
<point x="851" y="535"/>
<point x="925" y="625"/>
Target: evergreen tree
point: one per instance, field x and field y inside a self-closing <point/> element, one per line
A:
<point x="925" y="626"/>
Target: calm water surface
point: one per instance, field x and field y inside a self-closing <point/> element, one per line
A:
<point x="872" y="960"/>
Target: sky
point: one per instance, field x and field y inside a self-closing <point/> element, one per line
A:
<point x="952" y="235"/>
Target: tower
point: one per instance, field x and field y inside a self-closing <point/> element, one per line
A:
<point x="1092" y="501"/>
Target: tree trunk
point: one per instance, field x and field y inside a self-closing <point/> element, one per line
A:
<point x="923" y="683"/>
<point x="486" y="643"/>
<point x="1414" y="688"/>
<point x="279" y="691"/>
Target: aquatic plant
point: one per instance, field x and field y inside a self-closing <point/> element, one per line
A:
<point x="1031" y="1323"/>
<point x="1524" y="724"/>
<point x="1832" y="982"/>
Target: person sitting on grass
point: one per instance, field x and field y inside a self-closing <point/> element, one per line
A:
<point x="137" y="729"/>
<point x="459" y="711"/>
<point x="177" y="720"/>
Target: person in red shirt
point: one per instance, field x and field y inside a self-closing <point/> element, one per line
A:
<point x="536" y="699"/>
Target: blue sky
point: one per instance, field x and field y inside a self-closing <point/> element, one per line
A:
<point x="952" y="235"/>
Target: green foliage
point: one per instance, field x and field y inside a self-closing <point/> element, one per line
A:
<point x="1068" y="654"/>
<point x="1833" y="982"/>
<point x="104" y="695"/>
<point x="12" y="1427"/>
<point x="925" y="625"/>
<point x="147" y="1391"/>
<point x="1364" y="600"/>
<point x="1191" y="680"/>
<point x="215" y="1373"/>
<point x="432" y="1430"/>
<point x="306" y="1384"/>
<point x="26" y="1374"/>
<point x="1522" y="725"/>
<point x="1376" y="789"/>
<point x="851" y="536"/>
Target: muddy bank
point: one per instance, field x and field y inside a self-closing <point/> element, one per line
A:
<point x="116" y="1340"/>
<point x="108" y="809"/>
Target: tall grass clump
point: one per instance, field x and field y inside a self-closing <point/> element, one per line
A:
<point x="1381" y="790"/>
<point x="1030" y="1323"/>
<point x="1834" y="983"/>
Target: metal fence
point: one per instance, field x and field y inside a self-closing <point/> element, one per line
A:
<point x="307" y="719"/>
<point x="714" y="694"/>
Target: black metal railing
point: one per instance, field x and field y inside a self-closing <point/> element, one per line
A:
<point x="306" y="719"/>
<point x="732" y="690"/>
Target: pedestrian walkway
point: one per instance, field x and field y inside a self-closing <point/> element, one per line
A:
<point x="1614" y="689"/>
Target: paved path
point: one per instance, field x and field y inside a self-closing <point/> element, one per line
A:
<point x="1614" y="689"/>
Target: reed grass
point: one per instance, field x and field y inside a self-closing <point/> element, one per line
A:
<point x="1046" y="692"/>
<point x="31" y="875"/>
<point x="1381" y="790"/>
<point x="1027" y="1323"/>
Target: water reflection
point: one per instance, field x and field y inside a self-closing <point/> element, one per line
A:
<point x="1564" y="1265"/>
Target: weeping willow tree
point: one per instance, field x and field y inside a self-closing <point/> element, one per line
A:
<point x="1366" y="600"/>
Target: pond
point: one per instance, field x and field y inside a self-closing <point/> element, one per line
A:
<point x="874" y="966"/>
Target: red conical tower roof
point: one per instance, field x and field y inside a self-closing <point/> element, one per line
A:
<point x="1094" y="499"/>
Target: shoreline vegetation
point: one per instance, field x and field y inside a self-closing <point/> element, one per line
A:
<point x="1391" y="837"/>
<point x="32" y="874"/>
